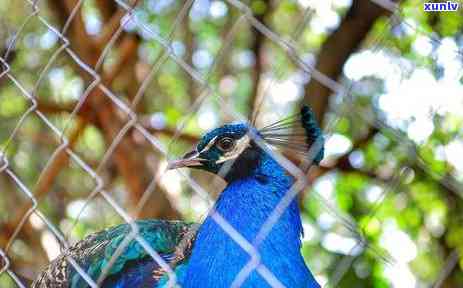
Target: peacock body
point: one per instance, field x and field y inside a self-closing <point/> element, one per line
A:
<point x="206" y="255"/>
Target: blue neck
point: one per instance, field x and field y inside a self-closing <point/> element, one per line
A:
<point x="246" y="204"/>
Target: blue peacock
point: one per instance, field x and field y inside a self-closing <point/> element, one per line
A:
<point x="205" y="255"/>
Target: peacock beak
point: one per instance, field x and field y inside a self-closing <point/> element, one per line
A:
<point x="188" y="160"/>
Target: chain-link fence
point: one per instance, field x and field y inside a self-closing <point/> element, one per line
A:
<point x="98" y="65"/>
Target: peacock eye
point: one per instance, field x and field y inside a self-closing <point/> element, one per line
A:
<point x="226" y="144"/>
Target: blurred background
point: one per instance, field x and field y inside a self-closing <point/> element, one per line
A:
<point x="384" y="209"/>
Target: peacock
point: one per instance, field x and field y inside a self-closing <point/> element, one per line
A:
<point x="207" y="254"/>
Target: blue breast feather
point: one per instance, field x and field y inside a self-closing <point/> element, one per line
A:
<point x="246" y="204"/>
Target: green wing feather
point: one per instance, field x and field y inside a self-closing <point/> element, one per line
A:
<point x="95" y="252"/>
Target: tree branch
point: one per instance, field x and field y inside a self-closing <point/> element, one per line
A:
<point x="45" y="182"/>
<point x="189" y="40"/>
<point x="54" y="108"/>
<point x="130" y="163"/>
<point x="109" y="29"/>
<point x="191" y="139"/>
<point x="106" y="8"/>
<point x="335" y="51"/>
<point x="259" y="40"/>
<point x="128" y="49"/>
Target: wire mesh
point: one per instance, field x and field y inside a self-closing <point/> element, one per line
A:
<point x="99" y="93"/>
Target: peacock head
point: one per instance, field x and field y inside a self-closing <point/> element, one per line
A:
<point x="234" y="148"/>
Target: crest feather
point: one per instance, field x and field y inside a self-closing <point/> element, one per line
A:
<point x="299" y="133"/>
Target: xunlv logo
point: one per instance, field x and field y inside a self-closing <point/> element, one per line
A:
<point x="445" y="6"/>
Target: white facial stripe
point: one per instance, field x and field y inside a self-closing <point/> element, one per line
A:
<point x="241" y="145"/>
